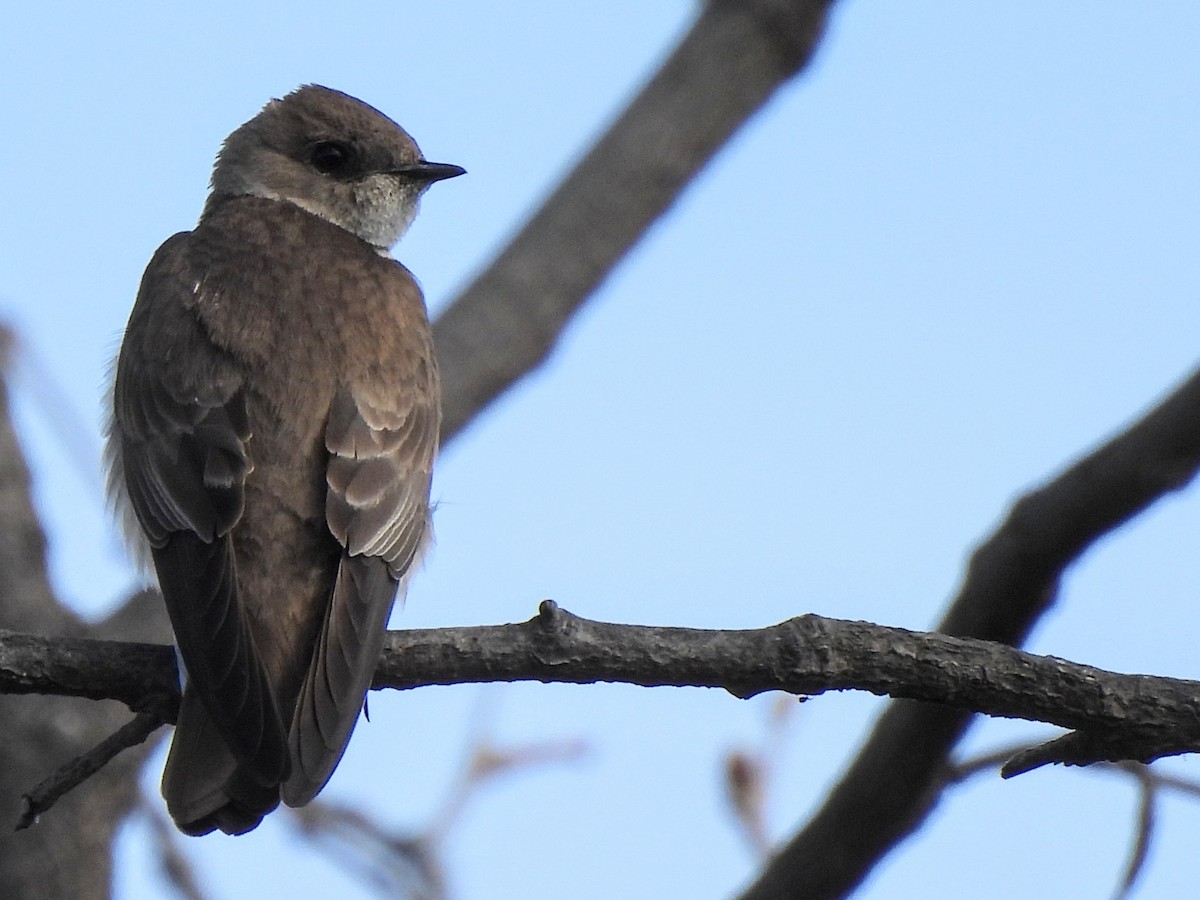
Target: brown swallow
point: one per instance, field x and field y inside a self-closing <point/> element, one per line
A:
<point x="275" y="422"/>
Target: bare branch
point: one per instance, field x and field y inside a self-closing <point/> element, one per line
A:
<point x="728" y="65"/>
<point x="1115" y="716"/>
<point x="1138" y="716"/>
<point x="80" y="769"/>
<point x="1074" y="749"/>
<point x="135" y="674"/>
<point x="962" y="769"/>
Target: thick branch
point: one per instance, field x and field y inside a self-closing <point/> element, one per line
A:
<point x="1118" y="716"/>
<point x="135" y="674"/>
<point x="729" y="64"/>
<point x="807" y="655"/>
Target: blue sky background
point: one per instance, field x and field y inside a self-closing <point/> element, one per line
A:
<point x="957" y="253"/>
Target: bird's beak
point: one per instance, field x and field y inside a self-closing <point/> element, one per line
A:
<point x="430" y="171"/>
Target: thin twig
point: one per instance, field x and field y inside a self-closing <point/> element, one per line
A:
<point x="83" y="767"/>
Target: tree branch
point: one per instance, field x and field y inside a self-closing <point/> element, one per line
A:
<point x="136" y="674"/>
<point x="807" y="656"/>
<point x="83" y="767"/>
<point x="735" y="56"/>
<point x="1112" y="716"/>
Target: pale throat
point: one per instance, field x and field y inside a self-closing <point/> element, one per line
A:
<point x="379" y="211"/>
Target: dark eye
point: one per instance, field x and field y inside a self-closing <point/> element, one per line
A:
<point x="330" y="157"/>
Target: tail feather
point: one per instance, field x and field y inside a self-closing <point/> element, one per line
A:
<point x="203" y="784"/>
<point x="343" y="665"/>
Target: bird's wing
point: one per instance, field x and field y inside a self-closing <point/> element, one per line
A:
<point x="377" y="506"/>
<point x="180" y="439"/>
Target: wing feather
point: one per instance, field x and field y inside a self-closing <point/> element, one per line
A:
<point x="377" y="507"/>
<point x="181" y="438"/>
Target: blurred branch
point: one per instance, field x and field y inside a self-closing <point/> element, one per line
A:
<point x="488" y="762"/>
<point x="410" y="864"/>
<point x="394" y="864"/>
<point x="735" y="56"/>
<point x="1013" y="578"/>
<point x="748" y="776"/>
<point x="41" y="733"/>
<point x="1150" y="783"/>
<point x="1115" y="716"/>
<point x="174" y="864"/>
<point x="1143" y="834"/>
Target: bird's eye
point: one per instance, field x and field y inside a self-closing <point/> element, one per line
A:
<point x="330" y="157"/>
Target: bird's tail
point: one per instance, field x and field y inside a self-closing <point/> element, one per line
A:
<point x="203" y="784"/>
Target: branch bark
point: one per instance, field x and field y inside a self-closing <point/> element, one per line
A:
<point x="1112" y="716"/>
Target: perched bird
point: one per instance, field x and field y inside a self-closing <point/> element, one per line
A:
<point x="275" y="422"/>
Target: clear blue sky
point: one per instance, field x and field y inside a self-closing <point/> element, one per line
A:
<point x="957" y="253"/>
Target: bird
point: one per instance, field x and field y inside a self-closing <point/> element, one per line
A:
<point x="274" y="423"/>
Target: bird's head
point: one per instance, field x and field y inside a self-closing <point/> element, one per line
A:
<point x="333" y="156"/>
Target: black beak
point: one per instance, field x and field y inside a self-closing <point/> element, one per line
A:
<point x="430" y="171"/>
